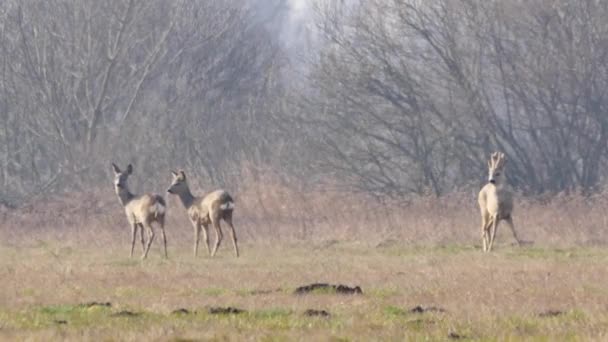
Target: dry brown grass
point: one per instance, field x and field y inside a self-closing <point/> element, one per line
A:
<point x="268" y="211"/>
<point x="67" y="250"/>
<point x="485" y="296"/>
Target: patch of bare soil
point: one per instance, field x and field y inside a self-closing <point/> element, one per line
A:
<point x="91" y="304"/>
<point x="340" y="289"/>
<point x="551" y="313"/>
<point x="420" y="309"/>
<point x="316" y="313"/>
<point x="180" y="311"/>
<point x="225" y="311"/>
<point x="265" y="292"/>
<point x="125" y="313"/>
<point x="455" y="336"/>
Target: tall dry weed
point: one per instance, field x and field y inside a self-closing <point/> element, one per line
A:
<point x="270" y="208"/>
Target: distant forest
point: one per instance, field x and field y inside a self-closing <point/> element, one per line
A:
<point x="392" y="98"/>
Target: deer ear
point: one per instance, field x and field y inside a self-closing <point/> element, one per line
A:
<point x="115" y="168"/>
<point x="182" y="174"/>
<point x="130" y="169"/>
<point x="174" y="173"/>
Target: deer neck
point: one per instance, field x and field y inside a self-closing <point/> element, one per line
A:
<point x="501" y="185"/>
<point x="186" y="197"/>
<point x="125" y="196"/>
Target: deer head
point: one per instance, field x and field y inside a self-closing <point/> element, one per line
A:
<point x="496" y="168"/>
<point x="120" y="177"/>
<point x="178" y="185"/>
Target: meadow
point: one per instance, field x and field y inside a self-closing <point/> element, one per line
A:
<point x="66" y="274"/>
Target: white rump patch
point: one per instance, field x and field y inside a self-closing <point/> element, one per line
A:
<point x="157" y="208"/>
<point x="227" y="205"/>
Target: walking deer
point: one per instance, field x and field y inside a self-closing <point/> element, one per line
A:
<point x="495" y="201"/>
<point x="204" y="211"/>
<point x="141" y="211"/>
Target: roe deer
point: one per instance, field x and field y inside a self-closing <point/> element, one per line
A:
<point x="141" y="211"/>
<point x="205" y="210"/>
<point x="495" y="201"/>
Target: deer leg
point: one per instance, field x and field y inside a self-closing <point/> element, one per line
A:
<point x="143" y="240"/>
<point x="206" y="237"/>
<point x="484" y="232"/>
<point x="197" y="235"/>
<point x="150" y="239"/>
<point x="510" y="223"/>
<point x="218" y="235"/>
<point x="493" y="230"/>
<point x="228" y="219"/>
<point x="133" y="235"/>
<point x="488" y="230"/>
<point x="486" y="223"/>
<point x="484" y="239"/>
<point x="161" y="222"/>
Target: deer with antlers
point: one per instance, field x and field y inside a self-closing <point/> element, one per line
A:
<point x="495" y="201"/>
<point x="204" y="211"/>
<point x="141" y="211"/>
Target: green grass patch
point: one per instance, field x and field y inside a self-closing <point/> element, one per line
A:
<point x="421" y="324"/>
<point x="61" y="309"/>
<point x="395" y="311"/>
<point x="450" y="276"/>
<point x="271" y="313"/>
<point x="53" y="315"/>
<point x="273" y="319"/>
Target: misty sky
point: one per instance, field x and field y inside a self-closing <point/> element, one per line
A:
<point x="298" y="11"/>
<point x="296" y="32"/>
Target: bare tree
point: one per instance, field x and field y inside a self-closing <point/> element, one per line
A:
<point x="85" y="79"/>
<point x="411" y="95"/>
<point x="392" y="98"/>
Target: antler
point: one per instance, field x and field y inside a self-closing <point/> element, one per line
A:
<point x="498" y="159"/>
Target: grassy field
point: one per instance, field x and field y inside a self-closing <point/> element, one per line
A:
<point x="59" y="254"/>
<point x="513" y="294"/>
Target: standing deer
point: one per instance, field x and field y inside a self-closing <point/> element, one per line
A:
<point x="495" y="201"/>
<point x="141" y="211"/>
<point x="205" y="210"/>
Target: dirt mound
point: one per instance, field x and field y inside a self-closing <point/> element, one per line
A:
<point x="91" y="304"/>
<point x="225" y="311"/>
<point x="265" y="292"/>
<point x="420" y="309"/>
<point x="340" y="289"/>
<point x="125" y="313"/>
<point x="315" y="313"/>
<point x="551" y="313"/>
<point x="180" y="311"/>
<point x="455" y="336"/>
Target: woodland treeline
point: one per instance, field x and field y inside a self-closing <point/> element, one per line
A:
<point x="388" y="97"/>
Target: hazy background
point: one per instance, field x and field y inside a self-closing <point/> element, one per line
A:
<point x="393" y="98"/>
<point x="353" y="136"/>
